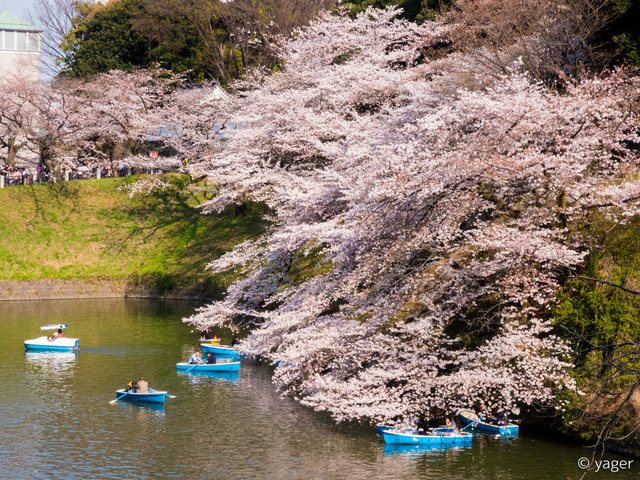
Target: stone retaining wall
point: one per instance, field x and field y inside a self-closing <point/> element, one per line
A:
<point x="50" y="289"/>
<point x="61" y="289"/>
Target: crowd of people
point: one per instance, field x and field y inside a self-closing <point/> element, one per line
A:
<point x="22" y="175"/>
<point x="13" y="175"/>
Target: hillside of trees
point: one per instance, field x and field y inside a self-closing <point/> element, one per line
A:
<point x="221" y="40"/>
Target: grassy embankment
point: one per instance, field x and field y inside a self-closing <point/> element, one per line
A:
<point x="93" y="229"/>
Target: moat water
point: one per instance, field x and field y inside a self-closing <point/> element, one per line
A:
<point x="57" y="422"/>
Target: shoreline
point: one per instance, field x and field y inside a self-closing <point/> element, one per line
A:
<point x="57" y="289"/>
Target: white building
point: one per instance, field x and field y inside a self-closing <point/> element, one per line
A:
<point x="19" y="48"/>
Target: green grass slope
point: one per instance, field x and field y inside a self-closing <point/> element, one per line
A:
<point x="93" y="229"/>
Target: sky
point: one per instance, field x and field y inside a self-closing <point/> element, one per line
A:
<point x="20" y="9"/>
<point x="17" y="7"/>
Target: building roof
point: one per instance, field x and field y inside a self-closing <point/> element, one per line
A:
<point x="8" y="21"/>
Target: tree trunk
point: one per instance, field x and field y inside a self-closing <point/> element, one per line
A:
<point x="12" y="151"/>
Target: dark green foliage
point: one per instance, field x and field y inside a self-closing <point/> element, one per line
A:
<point x="625" y="31"/>
<point x="429" y="9"/>
<point x="600" y="314"/>
<point x="602" y="323"/>
<point x="616" y="39"/>
<point x="412" y="10"/>
<point x="102" y="39"/>
<point x="173" y="41"/>
<point x="125" y="34"/>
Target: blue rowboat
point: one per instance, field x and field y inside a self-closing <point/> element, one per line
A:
<point x="154" y="396"/>
<point x="209" y="367"/>
<point x="442" y="437"/>
<point x="386" y="428"/>
<point x="219" y="350"/>
<point x="383" y="428"/>
<point x="197" y="377"/>
<point x="478" y="424"/>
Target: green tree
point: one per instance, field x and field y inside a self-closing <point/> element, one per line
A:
<point x="173" y="41"/>
<point x="598" y="311"/>
<point x="125" y="34"/>
<point x="208" y="38"/>
<point x="102" y="38"/>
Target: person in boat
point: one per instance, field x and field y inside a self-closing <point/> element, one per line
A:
<point x="195" y="358"/>
<point x="234" y="341"/>
<point x="485" y="414"/>
<point x="56" y="336"/>
<point x="491" y="417"/>
<point x="143" y="386"/>
<point x="423" y="424"/>
<point x="501" y="419"/>
<point x="132" y="385"/>
<point x="208" y="335"/>
<point x="452" y="425"/>
<point x="210" y="358"/>
<point x="433" y="421"/>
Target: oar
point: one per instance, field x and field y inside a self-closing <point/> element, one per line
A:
<point x="125" y="393"/>
<point x="444" y="439"/>
<point x="189" y="369"/>
<point x="472" y="423"/>
<point x="169" y="396"/>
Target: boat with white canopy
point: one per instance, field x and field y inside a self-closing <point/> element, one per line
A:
<point x="56" y="342"/>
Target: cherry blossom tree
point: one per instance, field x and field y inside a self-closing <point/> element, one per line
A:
<point x="430" y="213"/>
<point x="112" y="116"/>
<point x="117" y="111"/>
<point x="17" y="117"/>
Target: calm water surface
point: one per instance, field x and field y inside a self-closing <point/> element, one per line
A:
<point x="56" y="420"/>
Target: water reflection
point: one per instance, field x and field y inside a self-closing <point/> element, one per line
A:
<point x="199" y="377"/>
<point x="52" y="363"/>
<point x="417" y="450"/>
<point x="105" y="351"/>
<point x="139" y="410"/>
